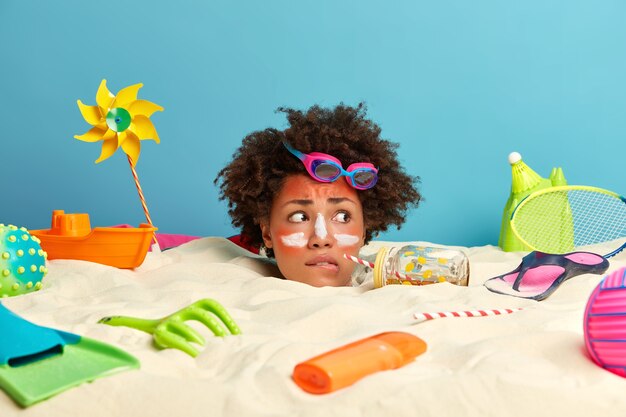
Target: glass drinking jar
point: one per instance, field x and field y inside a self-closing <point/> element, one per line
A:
<point x="420" y="265"/>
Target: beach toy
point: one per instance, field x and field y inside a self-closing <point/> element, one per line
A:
<point x="172" y="332"/>
<point x="604" y="323"/>
<point x="345" y="365"/>
<point x="39" y="362"/>
<point x="562" y="219"/>
<point x="540" y="274"/>
<point x="524" y="181"/>
<point x="71" y="237"/>
<point x="22" y="261"/>
<point x="121" y="120"/>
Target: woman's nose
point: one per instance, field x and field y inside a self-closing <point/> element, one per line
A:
<point x="320" y="236"/>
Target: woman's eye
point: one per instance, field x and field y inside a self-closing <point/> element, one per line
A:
<point x="298" y="217"/>
<point x="342" y="217"/>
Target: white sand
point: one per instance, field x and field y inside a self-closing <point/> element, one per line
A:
<point x="532" y="363"/>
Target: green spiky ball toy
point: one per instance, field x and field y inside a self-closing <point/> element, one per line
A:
<point x="22" y="261"/>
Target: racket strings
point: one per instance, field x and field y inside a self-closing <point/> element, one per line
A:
<point x="597" y="217"/>
<point x="560" y="221"/>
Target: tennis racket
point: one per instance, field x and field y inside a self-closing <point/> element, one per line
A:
<point x="561" y="219"/>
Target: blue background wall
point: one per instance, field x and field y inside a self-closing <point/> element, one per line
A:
<point x="459" y="84"/>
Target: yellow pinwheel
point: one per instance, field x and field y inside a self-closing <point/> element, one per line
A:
<point x="119" y="120"/>
<point x="124" y="121"/>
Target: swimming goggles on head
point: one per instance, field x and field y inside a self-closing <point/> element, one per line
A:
<point x="326" y="168"/>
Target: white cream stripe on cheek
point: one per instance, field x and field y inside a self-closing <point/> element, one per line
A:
<point x="295" y="240"/>
<point x="346" y="240"/>
<point x="320" y="227"/>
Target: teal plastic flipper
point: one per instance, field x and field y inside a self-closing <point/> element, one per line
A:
<point x="524" y="181"/>
<point x="39" y="362"/>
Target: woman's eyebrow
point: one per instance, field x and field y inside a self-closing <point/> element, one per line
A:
<point x="300" y="202"/>
<point x="339" y="200"/>
<point x="330" y="200"/>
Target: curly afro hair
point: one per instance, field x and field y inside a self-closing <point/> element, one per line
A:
<point x="256" y="174"/>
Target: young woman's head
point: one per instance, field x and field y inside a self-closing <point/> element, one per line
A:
<point x="282" y="193"/>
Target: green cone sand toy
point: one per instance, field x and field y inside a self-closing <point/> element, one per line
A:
<point x="524" y="182"/>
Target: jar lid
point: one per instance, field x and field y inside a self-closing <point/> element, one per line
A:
<point x="379" y="279"/>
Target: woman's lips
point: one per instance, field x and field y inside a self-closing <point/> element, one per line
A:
<point x="324" y="262"/>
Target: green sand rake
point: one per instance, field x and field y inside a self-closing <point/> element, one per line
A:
<point x="172" y="332"/>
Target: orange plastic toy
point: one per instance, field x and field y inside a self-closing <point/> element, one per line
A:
<point x="346" y="365"/>
<point x="71" y="237"/>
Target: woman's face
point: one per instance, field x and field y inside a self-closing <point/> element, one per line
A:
<point x="311" y="225"/>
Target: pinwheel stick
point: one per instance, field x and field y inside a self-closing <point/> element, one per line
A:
<point x="142" y="198"/>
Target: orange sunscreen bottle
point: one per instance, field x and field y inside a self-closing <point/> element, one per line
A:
<point x="346" y="365"/>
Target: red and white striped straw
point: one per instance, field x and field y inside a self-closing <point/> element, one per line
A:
<point x="142" y="198"/>
<point x="470" y="313"/>
<point x="371" y="265"/>
<point x="358" y="260"/>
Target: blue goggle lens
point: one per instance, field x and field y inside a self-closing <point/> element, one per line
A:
<point x="365" y="178"/>
<point x="326" y="171"/>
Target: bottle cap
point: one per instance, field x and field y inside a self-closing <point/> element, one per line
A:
<point x="379" y="276"/>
